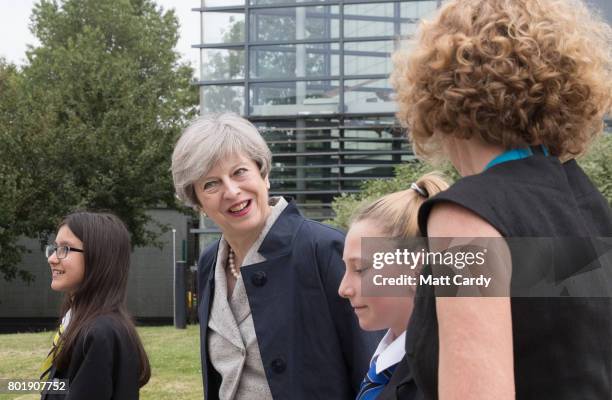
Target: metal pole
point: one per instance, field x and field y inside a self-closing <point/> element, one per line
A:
<point x="178" y="288"/>
<point x="174" y="274"/>
<point x="173" y="246"/>
<point x="180" y="308"/>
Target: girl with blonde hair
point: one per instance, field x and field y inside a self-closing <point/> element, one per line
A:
<point x="392" y="217"/>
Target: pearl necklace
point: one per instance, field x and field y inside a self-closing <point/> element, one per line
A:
<point x="231" y="264"/>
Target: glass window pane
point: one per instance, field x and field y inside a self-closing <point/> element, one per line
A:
<point x="220" y="98"/>
<point x="375" y="139"/>
<point x="371" y="171"/>
<point x="271" y="61"/>
<point x="364" y="20"/>
<point x="412" y="11"/>
<point x="288" y="61"/>
<point x="368" y="96"/>
<point x="295" y="23"/>
<point x="222" y="3"/>
<point x="281" y="2"/>
<point x="222" y="27"/>
<point x="222" y="64"/>
<point x="294" y="98"/>
<point x="362" y="58"/>
<point x="321" y="59"/>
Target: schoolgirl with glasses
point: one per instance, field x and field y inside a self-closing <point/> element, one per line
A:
<point x="96" y="348"/>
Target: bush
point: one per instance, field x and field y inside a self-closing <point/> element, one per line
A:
<point x="597" y="164"/>
<point x="405" y="174"/>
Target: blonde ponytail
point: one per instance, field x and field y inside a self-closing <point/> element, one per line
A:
<point x="397" y="213"/>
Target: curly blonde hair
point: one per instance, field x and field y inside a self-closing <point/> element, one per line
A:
<point x="511" y="72"/>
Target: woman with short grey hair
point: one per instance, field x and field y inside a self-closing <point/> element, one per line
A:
<point x="271" y="323"/>
<point x="206" y="141"/>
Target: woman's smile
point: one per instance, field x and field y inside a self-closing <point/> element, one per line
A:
<point x="240" y="209"/>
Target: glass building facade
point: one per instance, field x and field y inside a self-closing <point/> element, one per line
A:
<point x="313" y="76"/>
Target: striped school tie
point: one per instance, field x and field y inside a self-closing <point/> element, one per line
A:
<point x="48" y="363"/>
<point x="373" y="383"/>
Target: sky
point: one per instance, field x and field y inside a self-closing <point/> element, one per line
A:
<point x="15" y="34"/>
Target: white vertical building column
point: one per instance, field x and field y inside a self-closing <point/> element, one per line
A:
<point x="300" y="95"/>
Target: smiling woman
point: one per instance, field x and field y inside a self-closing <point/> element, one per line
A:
<point x="271" y="323"/>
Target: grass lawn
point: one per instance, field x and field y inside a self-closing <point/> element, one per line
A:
<point x="174" y="355"/>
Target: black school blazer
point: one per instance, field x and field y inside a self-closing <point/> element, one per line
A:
<point x="401" y="386"/>
<point x="104" y="364"/>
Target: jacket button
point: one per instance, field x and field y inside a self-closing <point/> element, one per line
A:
<point x="278" y="365"/>
<point x="259" y="278"/>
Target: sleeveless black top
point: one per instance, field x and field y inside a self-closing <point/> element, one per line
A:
<point x="562" y="345"/>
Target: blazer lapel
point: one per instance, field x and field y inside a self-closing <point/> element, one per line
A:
<point x="278" y="240"/>
<point x="240" y="303"/>
<point x="222" y="318"/>
<point x="401" y="386"/>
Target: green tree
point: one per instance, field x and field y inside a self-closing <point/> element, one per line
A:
<point x="10" y="251"/>
<point x="597" y="164"/>
<point x="99" y="107"/>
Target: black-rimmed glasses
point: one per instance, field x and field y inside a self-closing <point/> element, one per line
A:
<point x="60" y="251"/>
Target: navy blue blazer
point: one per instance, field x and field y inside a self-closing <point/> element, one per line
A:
<point x="309" y="338"/>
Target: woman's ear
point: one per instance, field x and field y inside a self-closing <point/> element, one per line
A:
<point x="199" y="210"/>
<point x="267" y="181"/>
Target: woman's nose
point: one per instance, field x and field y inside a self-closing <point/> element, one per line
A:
<point x="232" y="189"/>
<point x="345" y="290"/>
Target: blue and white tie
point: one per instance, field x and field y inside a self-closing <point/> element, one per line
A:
<point x="373" y="383"/>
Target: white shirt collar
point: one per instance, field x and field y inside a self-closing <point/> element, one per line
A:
<point x="389" y="351"/>
<point x="66" y="319"/>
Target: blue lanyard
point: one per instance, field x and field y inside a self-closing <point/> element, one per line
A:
<point x="513" y="154"/>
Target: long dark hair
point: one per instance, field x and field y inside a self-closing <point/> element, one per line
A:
<point x="107" y="248"/>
